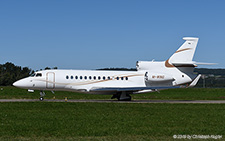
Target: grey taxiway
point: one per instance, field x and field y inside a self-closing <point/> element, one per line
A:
<point x="115" y="101"/>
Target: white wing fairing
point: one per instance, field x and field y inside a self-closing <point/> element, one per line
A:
<point x="150" y="76"/>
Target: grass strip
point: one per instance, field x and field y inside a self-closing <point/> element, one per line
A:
<point x="108" y="121"/>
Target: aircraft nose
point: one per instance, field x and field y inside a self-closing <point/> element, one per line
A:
<point x="17" y="83"/>
<point x="20" y="83"/>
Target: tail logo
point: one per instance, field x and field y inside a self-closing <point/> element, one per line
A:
<point x="168" y="65"/>
<point x="183" y="50"/>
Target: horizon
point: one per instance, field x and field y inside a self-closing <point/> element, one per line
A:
<point x="110" y="68"/>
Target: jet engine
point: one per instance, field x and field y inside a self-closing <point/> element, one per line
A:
<point x="157" y="77"/>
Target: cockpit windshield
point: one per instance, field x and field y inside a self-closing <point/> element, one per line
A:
<point x="39" y="75"/>
<point x="36" y="75"/>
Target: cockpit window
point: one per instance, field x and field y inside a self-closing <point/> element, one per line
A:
<point x="32" y="75"/>
<point x="38" y="75"/>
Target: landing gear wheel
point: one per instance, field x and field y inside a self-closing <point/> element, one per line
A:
<point x="124" y="97"/>
<point x="128" y="99"/>
<point x="41" y="98"/>
<point x="42" y="94"/>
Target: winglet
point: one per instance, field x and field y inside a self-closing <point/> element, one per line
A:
<point x="195" y="81"/>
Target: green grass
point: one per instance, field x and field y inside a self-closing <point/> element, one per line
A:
<point x="186" y="94"/>
<point x="17" y="93"/>
<point x="108" y="121"/>
<point x="171" y="94"/>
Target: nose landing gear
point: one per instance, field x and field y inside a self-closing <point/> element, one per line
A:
<point x="42" y="94"/>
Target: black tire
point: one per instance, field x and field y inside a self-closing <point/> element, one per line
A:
<point x="126" y="99"/>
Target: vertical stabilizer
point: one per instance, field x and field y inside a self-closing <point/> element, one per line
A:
<point x="186" y="52"/>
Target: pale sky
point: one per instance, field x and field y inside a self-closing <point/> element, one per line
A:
<point x="93" y="34"/>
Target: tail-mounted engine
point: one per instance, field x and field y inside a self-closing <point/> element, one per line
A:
<point x="157" y="77"/>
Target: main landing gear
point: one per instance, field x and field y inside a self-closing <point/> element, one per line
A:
<point x="122" y="96"/>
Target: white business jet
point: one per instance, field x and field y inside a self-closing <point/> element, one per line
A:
<point x="150" y="76"/>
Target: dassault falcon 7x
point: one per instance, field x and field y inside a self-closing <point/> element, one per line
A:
<point x="150" y="76"/>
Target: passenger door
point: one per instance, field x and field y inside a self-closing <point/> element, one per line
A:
<point x="50" y="80"/>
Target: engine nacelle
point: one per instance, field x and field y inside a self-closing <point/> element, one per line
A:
<point x="149" y="65"/>
<point x="144" y="65"/>
<point x="157" y="77"/>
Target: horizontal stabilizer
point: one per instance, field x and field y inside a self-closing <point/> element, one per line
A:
<point x="202" y="63"/>
<point x="190" y="64"/>
<point x="184" y="64"/>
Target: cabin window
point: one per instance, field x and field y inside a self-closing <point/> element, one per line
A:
<point x="86" y="77"/>
<point x="39" y="75"/>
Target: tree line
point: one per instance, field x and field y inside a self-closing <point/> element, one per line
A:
<point x="9" y="73"/>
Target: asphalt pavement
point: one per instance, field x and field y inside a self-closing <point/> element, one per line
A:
<point x="115" y="101"/>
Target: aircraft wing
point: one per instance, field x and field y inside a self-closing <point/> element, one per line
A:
<point x="195" y="81"/>
<point x="129" y="89"/>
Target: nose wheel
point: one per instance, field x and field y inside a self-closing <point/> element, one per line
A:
<point x="42" y="94"/>
<point x="41" y="98"/>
